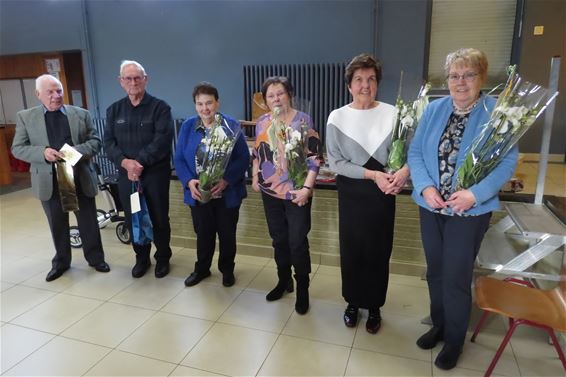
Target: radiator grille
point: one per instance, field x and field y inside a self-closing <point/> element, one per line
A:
<point x="319" y="88"/>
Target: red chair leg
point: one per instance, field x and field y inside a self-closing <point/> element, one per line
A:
<point x="484" y="316"/>
<point x="502" y="346"/>
<point x="557" y="346"/>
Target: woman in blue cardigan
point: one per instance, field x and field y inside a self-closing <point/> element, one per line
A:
<point x="453" y="223"/>
<point x="219" y="215"/>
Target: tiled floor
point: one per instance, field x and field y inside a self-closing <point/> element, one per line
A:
<point x="93" y="324"/>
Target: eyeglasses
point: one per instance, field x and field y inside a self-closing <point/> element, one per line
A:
<point x="133" y="79"/>
<point x="468" y="76"/>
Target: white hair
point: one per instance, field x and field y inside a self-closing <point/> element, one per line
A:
<point x="131" y="62"/>
<point x="46" y="77"/>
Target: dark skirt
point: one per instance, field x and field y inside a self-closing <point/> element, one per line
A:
<point x="367" y="219"/>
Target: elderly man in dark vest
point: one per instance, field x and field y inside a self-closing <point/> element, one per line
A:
<point x="41" y="132"/>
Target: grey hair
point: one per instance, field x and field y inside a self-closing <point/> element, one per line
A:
<point x="45" y="77"/>
<point x="131" y="62"/>
<point x="467" y="56"/>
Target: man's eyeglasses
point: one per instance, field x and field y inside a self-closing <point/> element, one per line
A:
<point x="468" y="76"/>
<point x="133" y="79"/>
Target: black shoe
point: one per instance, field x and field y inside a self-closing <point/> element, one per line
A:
<point x="161" y="269"/>
<point x="281" y="288"/>
<point x="374" y="321"/>
<point x="228" y="279"/>
<point x="101" y="267"/>
<point x="195" y="278"/>
<point x="141" y="267"/>
<point x="351" y="316"/>
<point x="55" y="273"/>
<point x="429" y="339"/>
<point x="448" y="356"/>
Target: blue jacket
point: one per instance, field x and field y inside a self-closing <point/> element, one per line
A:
<point x="185" y="164"/>
<point x="423" y="154"/>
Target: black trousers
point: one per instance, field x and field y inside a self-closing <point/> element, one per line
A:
<point x="289" y="226"/>
<point x="366" y="221"/>
<point x="451" y="244"/>
<point x="208" y="220"/>
<point x="59" y="226"/>
<point x="155" y="186"/>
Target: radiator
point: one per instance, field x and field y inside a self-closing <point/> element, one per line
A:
<point x="319" y="88"/>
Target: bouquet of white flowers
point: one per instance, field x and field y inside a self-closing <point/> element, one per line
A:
<point x="219" y="143"/>
<point x="407" y="116"/>
<point x="295" y="155"/>
<point x="517" y="107"/>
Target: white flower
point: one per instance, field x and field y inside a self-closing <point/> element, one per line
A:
<point x="407" y="121"/>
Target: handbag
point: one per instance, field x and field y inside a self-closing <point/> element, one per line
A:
<point x="142" y="227"/>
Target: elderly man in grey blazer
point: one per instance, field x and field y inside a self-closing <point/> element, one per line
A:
<point x="40" y="133"/>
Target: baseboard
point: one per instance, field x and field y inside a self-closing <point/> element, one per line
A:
<point x="535" y="157"/>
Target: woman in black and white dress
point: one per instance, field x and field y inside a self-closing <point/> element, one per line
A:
<point x="357" y="142"/>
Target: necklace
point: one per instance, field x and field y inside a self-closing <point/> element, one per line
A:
<point x="464" y="110"/>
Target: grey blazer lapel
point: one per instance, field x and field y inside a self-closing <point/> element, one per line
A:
<point x="38" y="124"/>
<point x="73" y="124"/>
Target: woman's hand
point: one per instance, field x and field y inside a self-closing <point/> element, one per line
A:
<point x="255" y="183"/>
<point x="193" y="186"/>
<point x="399" y="179"/>
<point x="433" y="199"/>
<point x="301" y="196"/>
<point x="461" y="201"/>
<point x="383" y="181"/>
<point x="216" y="191"/>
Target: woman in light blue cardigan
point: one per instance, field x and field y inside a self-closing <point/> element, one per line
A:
<point x="453" y="223"/>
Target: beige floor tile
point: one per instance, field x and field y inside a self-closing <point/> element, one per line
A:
<point x="22" y="269"/>
<point x="60" y="357"/>
<point x="250" y="259"/>
<point x="323" y="322"/>
<point x="109" y="324"/>
<point x="166" y="337"/>
<point x="327" y="288"/>
<point x="102" y="286"/>
<point x="534" y="354"/>
<point x="212" y="301"/>
<point x="19" y="342"/>
<point x="300" y="357"/>
<point x="251" y="310"/>
<point x="366" y="363"/>
<point x="149" y="292"/>
<point x="5" y="285"/>
<point x="57" y="313"/>
<point x="244" y="273"/>
<point x="186" y="371"/>
<point x="69" y="278"/>
<point x="329" y="270"/>
<point x="459" y="372"/>
<point x="118" y="363"/>
<point x="231" y="350"/>
<point x="413" y="281"/>
<point x="397" y="337"/>
<point x="479" y="354"/>
<point x="265" y="281"/>
<point x="19" y="299"/>
<point x="407" y="300"/>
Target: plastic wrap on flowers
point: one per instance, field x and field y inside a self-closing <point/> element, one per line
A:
<point x="517" y="108"/>
<point x="218" y="146"/>
<point x="407" y="116"/>
<point x="142" y="227"/>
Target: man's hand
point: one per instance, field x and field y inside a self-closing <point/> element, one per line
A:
<point x="52" y="155"/>
<point x="133" y="168"/>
